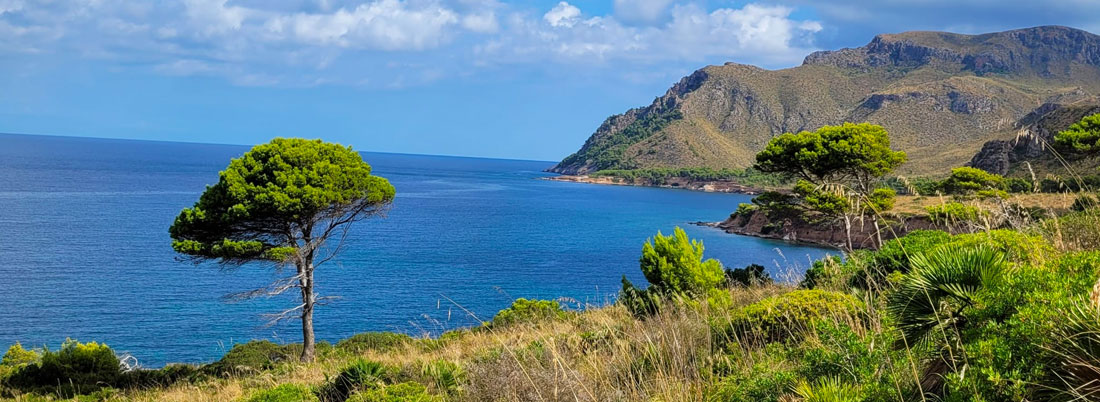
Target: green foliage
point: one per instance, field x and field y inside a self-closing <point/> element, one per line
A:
<point x="968" y="180"/>
<point x="1082" y="137"/>
<point x="828" y="203"/>
<point x="776" y="204"/>
<point x="954" y="213"/>
<point x="1083" y="202"/>
<point x="673" y="266"/>
<point x="828" y="389"/>
<point x="284" y="393"/>
<point x="379" y="341"/>
<point x="445" y="375"/>
<point x="523" y="311"/>
<point x="753" y="274"/>
<point x="882" y="199"/>
<point x="360" y="375"/>
<point x="76" y="368"/>
<point x="254" y="356"/>
<point x="895" y="254"/>
<point x="832" y="153"/>
<point x="17" y="356"/>
<point x="286" y="182"/>
<point x="661" y="176"/>
<point x="1018" y="185"/>
<point x="403" y="392"/>
<point x="608" y="151"/>
<point x="941" y="285"/>
<point x="785" y="316"/>
<point x="745" y="209"/>
<point x="1076" y="344"/>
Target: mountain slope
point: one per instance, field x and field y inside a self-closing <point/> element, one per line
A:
<point x="941" y="96"/>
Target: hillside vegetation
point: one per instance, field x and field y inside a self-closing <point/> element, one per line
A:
<point x="942" y="96"/>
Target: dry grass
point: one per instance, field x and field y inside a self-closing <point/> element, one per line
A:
<point x="1057" y="202"/>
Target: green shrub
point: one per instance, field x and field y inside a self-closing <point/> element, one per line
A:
<point x="1083" y="202"/>
<point x="17" y="356"/>
<point x="359" y="375"/>
<point x="446" y="375"/>
<point x="829" y="389"/>
<point x="753" y="274"/>
<point x="968" y="180"/>
<point x="76" y="368"/>
<point x="162" y="377"/>
<point x="955" y="212"/>
<point x="378" y="341"/>
<point x="284" y="393"/>
<point x="785" y="316"/>
<point x="744" y="209"/>
<point x="254" y="356"/>
<point x="895" y="253"/>
<point x="403" y="392"/>
<point x="674" y="267"/>
<point x="1018" y="247"/>
<point x="824" y="272"/>
<point x="1018" y="185"/>
<point x="523" y="311"/>
<point x="1083" y="136"/>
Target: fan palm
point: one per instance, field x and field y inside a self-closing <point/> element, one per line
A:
<point x="942" y="284"/>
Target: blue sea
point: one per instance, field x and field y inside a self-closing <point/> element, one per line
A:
<point x="85" y="251"/>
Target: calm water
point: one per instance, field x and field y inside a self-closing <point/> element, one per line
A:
<point x="85" y="252"/>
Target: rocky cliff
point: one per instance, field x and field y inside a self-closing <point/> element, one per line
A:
<point x="942" y="96"/>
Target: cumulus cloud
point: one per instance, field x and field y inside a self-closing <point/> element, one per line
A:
<point x="562" y="15"/>
<point x="397" y="42"/>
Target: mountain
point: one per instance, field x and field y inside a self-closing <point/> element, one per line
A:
<point x="941" y="96"/>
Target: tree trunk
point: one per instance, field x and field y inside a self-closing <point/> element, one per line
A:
<point x="848" y="230"/>
<point x="878" y="232"/>
<point x="308" y="342"/>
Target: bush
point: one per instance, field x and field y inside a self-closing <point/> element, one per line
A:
<point x="284" y="393"/>
<point x="378" y="341"/>
<point x="525" y="311"/>
<point x="163" y="377"/>
<point x="446" y="375"/>
<point x="359" y="375"/>
<point x="1083" y="136"/>
<point x="753" y="274"/>
<point x="744" y="209"/>
<point x="968" y="180"/>
<point x="1083" y="202"/>
<point x="257" y="355"/>
<point x="403" y="392"/>
<point x="673" y="266"/>
<point x="74" y="369"/>
<point x="1018" y="185"/>
<point x="787" y="315"/>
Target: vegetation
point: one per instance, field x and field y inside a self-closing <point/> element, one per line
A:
<point x="278" y="204"/>
<point x="528" y="311"/>
<point x="608" y="151"/>
<point x="968" y="180"/>
<point x="661" y="176"/>
<point x="674" y="267"/>
<point x="1081" y="137"/>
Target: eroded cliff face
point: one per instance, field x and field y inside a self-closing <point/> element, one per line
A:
<point x="1035" y="133"/>
<point x="942" y="96"/>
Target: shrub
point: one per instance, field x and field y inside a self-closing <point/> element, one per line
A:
<point x="1083" y="202"/>
<point x="257" y="355"/>
<point x="74" y="369"/>
<point x="673" y="266"/>
<point x="829" y="389"/>
<point x="284" y="393"/>
<point x="162" y="377"/>
<point x="968" y="180"/>
<point x="403" y="392"/>
<point x="753" y="274"/>
<point x="17" y="356"/>
<point x="446" y="375"/>
<point x="379" y="341"/>
<point x="359" y="375"/>
<point x="744" y="209"/>
<point x="1083" y="136"/>
<point x="895" y="253"/>
<point x="524" y="311"/>
<point x="787" y="315"/>
<point x="1018" y="185"/>
<point x="954" y="212"/>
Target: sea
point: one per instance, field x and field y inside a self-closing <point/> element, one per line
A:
<point x="85" y="251"/>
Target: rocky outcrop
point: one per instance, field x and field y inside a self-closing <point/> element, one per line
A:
<point x="709" y="186"/>
<point x="795" y="229"/>
<point x="1035" y="133"/>
<point x="940" y="95"/>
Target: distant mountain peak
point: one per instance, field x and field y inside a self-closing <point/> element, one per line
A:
<point x="941" y="95"/>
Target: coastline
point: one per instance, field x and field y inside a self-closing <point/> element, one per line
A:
<point x="671" y="183"/>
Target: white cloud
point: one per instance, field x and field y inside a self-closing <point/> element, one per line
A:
<point x="562" y="15"/>
<point x="481" y="23"/>
<point x="383" y="24"/>
<point x="641" y="11"/>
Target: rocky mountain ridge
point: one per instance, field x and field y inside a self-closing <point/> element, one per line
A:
<point x="942" y="96"/>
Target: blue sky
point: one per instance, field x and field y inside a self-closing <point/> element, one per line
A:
<point x="524" y="79"/>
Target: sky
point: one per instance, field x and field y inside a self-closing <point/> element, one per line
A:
<point x="528" y="79"/>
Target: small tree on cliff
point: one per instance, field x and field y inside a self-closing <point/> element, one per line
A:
<point x="835" y="162"/>
<point x="280" y="204"/>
